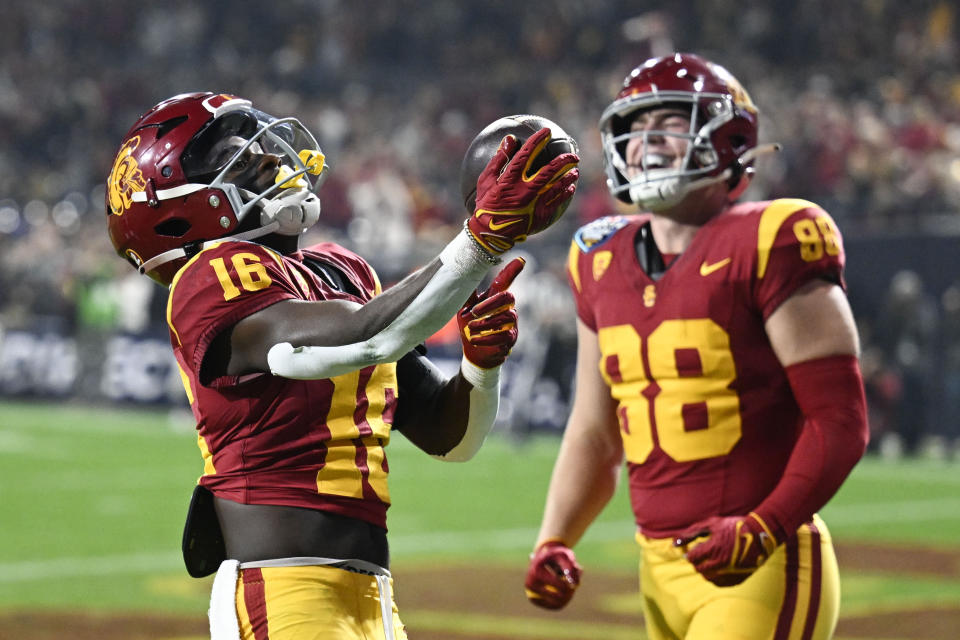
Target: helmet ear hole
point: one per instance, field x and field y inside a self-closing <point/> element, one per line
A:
<point x="173" y="228"/>
<point x="738" y="142"/>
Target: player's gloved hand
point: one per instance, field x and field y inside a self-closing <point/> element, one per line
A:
<point x="553" y="575"/>
<point x="488" y="320"/>
<point x="512" y="203"/>
<point x="733" y="548"/>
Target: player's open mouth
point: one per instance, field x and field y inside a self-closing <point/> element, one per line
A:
<point x="656" y="161"/>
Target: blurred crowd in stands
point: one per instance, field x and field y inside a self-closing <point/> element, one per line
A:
<point x="865" y="96"/>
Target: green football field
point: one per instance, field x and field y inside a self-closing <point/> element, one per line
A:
<point x="92" y="502"/>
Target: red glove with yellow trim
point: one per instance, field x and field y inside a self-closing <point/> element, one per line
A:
<point x="553" y="575"/>
<point x="734" y="547"/>
<point x="511" y="203"/>
<point x="488" y="320"/>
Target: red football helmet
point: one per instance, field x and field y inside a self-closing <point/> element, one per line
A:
<point x="194" y="167"/>
<point x="722" y="135"/>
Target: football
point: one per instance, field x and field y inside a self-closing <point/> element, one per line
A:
<point x="485" y="144"/>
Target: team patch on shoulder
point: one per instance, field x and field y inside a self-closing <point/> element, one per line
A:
<point x="597" y="232"/>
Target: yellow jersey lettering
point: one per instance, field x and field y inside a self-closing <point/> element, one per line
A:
<point x="696" y="413"/>
<point x="817" y="237"/>
<point x="341" y="474"/>
<point x="811" y="244"/>
<point x="252" y="274"/>
<point x="230" y="290"/>
<point x="831" y="238"/>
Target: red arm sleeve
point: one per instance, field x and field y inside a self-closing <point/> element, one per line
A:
<point x="830" y="394"/>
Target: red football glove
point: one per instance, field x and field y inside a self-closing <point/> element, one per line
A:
<point x="512" y="204"/>
<point x="553" y="575"/>
<point x="734" y="547"/>
<point x="488" y="320"/>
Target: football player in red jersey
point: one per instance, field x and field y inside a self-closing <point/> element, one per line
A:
<point x="717" y="355"/>
<point x="296" y="365"/>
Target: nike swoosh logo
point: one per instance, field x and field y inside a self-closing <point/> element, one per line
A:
<point x="707" y="269"/>
<point x="496" y="226"/>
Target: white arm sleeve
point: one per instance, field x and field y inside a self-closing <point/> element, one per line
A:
<point x="463" y="265"/>
<point x="484" y="403"/>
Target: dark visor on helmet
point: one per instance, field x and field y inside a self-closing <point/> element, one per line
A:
<point x="200" y="159"/>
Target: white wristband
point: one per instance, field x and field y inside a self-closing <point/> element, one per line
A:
<point x="482" y="414"/>
<point x="465" y="255"/>
<point x="478" y="376"/>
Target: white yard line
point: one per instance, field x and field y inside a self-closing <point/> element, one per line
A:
<point x="59" y="568"/>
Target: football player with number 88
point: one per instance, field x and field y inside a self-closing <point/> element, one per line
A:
<point x="717" y="356"/>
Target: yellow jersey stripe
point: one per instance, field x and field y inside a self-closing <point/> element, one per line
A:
<point x="173" y="286"/>
<point x="186" y="383"/>
<point x="770" y="220"/>
<point x="377" y="287"/>
<point x="208" y="468"/>
<point x="573" y="260"/>
<point x="802" y="606"/>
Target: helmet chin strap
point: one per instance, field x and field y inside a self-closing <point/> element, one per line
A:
<point x="290" y="215"/>
<point x="174" y="254"/>
<point x="666" y="193"/>
<point x="293" y="212"/>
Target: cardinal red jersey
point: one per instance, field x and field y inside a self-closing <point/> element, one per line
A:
<point x="705" y="410"/>
<point x="271" y="440"/>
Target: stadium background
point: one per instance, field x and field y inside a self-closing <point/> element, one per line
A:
<point x="96" y="456"/>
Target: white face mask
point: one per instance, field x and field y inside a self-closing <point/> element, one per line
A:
<point x="288" y="207"/>
<point x="661" y="188"/>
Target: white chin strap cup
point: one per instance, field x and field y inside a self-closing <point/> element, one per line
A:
<point x="293" y="212"/>
<point x="661" y="195"/>
<point x="658" y="194"/>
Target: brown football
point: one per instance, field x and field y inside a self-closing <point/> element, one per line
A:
<point x="483" y="147"/>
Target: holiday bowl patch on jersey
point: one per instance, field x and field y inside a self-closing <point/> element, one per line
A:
<point x="597" y="232"/>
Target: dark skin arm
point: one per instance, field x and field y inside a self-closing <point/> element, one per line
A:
<point x="433" y="410"/>
<point x="324" y="323"/>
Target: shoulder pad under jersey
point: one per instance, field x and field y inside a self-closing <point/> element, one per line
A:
<point x="597" y="232"/>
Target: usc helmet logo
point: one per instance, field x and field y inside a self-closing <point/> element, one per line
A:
<point x="125" y="178"/>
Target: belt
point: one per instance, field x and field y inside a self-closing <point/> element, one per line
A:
<point x="254" y="533"/>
